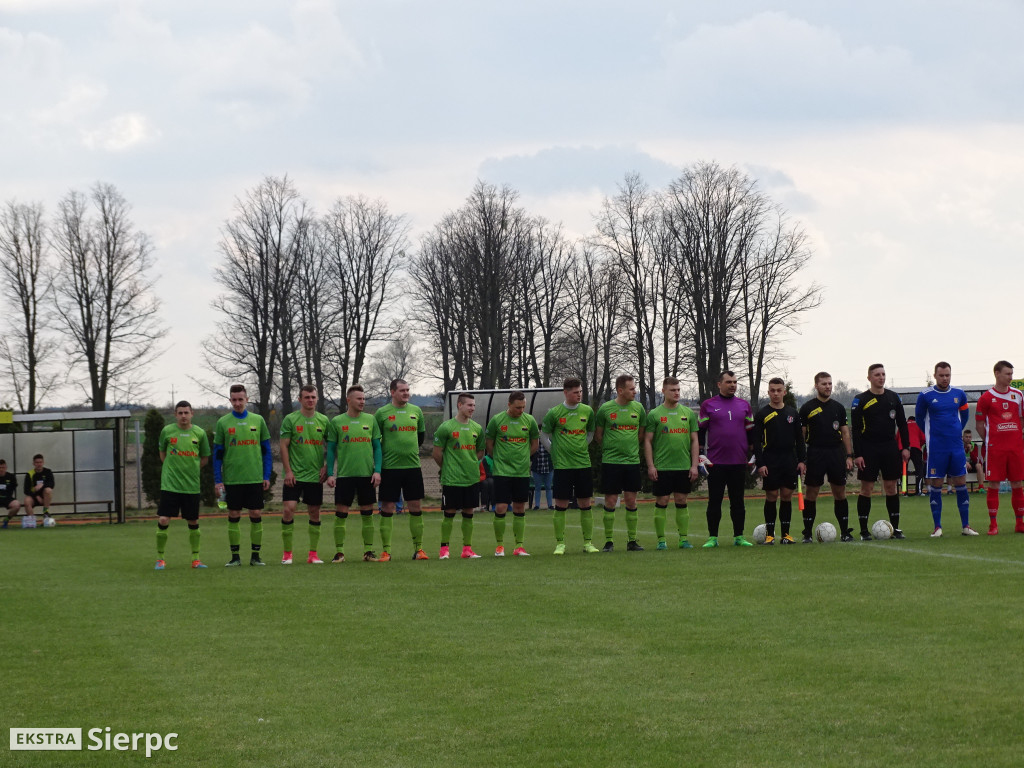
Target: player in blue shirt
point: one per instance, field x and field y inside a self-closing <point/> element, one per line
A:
<point x="942" y="413"/>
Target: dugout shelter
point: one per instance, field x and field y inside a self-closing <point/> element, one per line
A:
<point x="492" y="401"/>
<point x="85" y="450"/>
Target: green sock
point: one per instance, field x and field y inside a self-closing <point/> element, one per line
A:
<point x="367" y="521"/>
<point x="314" y="535"/>
<point x="632" y="519"/>
<point x="161" y="541"/>
<point x="558" y="518"/>
<point x="339" y="532"/>
<point x="660" y="513"/>
<point x="587" y="523"/>
<point x="499" y="529"/>
<point x="519" y="529"/>
<point x="467" y="531"/>
<point x="387" y="526"/>
<point x="683" y="520"/>
<point x="287" y="534"/>
<point x="256" y="534"/>
<point x="234" y="534"/>
<point x="193" y="540"/>
<point x="609" y="524"/>
<point x="447" y="523"/>
<point x="416" y="529"/>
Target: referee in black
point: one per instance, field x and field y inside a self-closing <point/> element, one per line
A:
<point x="829" y="453"/>
<point x="877" y="414"/>
<point x="779" y="453"/>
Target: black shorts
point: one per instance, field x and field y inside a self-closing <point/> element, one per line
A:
<point x="460" y="497"/>
<point x="359" y="488"/>
<point x="781" y="473"/>
<point x="6" y="503"/>
<point x="573" y="484"/>
<point x="245" y="496"/>
<point x="672" y="481"/>
<point x="823" y="461"/>
<point x="310" y="494"/>
<point x="401" y="483"/>
<point x="616" y="478"/>
<point x="881" y="457"/>
<point x="514" y="489"/>
<point x="173" y="504"/>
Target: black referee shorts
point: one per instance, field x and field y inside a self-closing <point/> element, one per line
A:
<point x="822" y="462"/>
<point x="881" y="458"/>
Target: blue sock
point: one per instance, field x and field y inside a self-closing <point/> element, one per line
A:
<point x="935" y="502"/>
<point x="963" y="503"/>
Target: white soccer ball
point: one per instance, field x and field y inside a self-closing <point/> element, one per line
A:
<point x="49" y="522"/>
<point x="28" y="521"/>
<point x="825" y="532"/>
<point x="882" y="530"/>
<point x="760" y="534"/>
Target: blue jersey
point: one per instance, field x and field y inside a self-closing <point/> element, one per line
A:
<point x="943" y="416"/>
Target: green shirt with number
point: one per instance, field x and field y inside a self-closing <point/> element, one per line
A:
<point x="307" y="437"/>
<point x="243" y="452"/>
<point x="672" y="430"/>
<point x="622" y="424"/>
<point x="354" y="437"/>
<point x="568" y="428"/>
<point x="400" y="430"/>
<point x="183" y="451"/>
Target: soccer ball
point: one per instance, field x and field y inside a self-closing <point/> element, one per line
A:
<point x="49" y="522"/>
<point x="825" y="533"/>
<point x="760" y="534"/>
<point x="881" y="530"/>
<point x="28" y="521"/>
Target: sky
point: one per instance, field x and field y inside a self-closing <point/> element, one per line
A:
<point x="890" y="131"/>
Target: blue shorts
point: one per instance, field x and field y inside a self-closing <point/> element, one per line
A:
<point x="947" y="463"/>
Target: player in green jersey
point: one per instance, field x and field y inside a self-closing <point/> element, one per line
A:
<point x="458" y="448"/>
<point x="241" y="470"/>
<point x="353" y="438"/>
<point x="566" y="430"/>
<point x="670" y="444"/>
<point x="402" y="430"/>
<point x="620" y="431"/>
<point x="184" y="449"/>
<point x="512" y="438"/>
<point x="303" y="437"/>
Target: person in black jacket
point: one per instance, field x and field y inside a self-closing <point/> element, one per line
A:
<point x="877" y="414"/>
<point x="38" y="487"/>
<point x="780" y="455"/>
<point x="8" y="492"/>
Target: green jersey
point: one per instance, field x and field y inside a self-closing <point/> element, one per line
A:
<point x="568" y="428"/>
<point x="671" y="434"/>
<point x="512" y="438"/>
<point x="243" y="452"/>
<point x="354" y="438"/>
<point x="622" y="424"/>
<point x="306" y="438"/>
<point x="460" y="444"/>
<point x="183" y="449"/>
<point x="400" y="430"/>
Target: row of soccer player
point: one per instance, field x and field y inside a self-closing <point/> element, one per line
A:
<point x="358" y="455"/>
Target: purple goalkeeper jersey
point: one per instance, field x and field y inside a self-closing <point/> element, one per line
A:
<point x="727" y="420"/>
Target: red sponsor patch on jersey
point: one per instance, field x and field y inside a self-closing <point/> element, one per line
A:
<point x="562" y="420"/>
<point x="504" y="427"/>
<point x="664" y="419"/>
<point x="174" y="441"/>
<point x="231" y="430"/>
<point x="391" y="418"/>
<point x="455" y="434"/>
<point x="298" y="428"/>
<point x="614" y="416"/>
<point x="344" y="428"/>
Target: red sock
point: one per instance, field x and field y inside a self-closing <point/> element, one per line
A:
<point x="993" y="502"/>
<point x="1017" y="500"/>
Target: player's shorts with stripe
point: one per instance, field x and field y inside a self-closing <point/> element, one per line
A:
<point x="781" y="473"/>
<point x="360" y="489"/>
<point x="1004" y="465"/>
<point x="573" y="484"/>
<point x="244" y="496"/>
<point x="881" y="458"/>
<point x="822" y="462"/>
<point x="672" y="481"/>
<point x="460" y="496"/>
<point x="401" y="483"/>
<point x="310" y="494"/>
<point x="944" y="462"/>
<point x="173" y="504"/>
<point x="514" y="489"/>
<point x="616" y="478"/>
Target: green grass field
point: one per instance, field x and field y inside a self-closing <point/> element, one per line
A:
<point x="886" y="653"/>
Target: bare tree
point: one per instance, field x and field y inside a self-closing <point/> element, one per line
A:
<point x="26" y="348"/>
<point x="261" y="246"/>
<point x="396" y="360"/>
<point x="772" y="303"/>
<point x="104" y="294"/>
<point x="545" y="278"/>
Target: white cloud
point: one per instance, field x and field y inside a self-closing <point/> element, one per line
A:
<point x="120" y="133"/>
